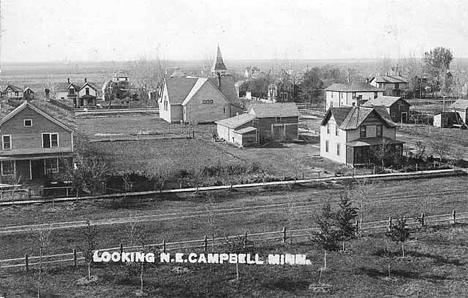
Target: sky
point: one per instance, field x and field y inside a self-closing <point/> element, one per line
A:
<point x="120" y="30"/>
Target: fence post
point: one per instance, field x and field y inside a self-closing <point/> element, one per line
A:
<point x="389" y="223"/>
<point x="164" y="245"/>
<point x="121" y="248"/>
<point x="423" y="219"/>
<point x="26" y="261"/>
<point x="75" y="261"/>
<point x="205" y="244"/>
<point x="454" y="216"/>
<point x="245" y="239"/>
<point x="357" y="227"/>
<point x="284" y="234"/>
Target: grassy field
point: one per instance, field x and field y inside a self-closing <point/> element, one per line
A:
<point x="434" y="266"/>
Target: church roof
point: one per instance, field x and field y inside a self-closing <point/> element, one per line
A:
<point x="218" y="64"/>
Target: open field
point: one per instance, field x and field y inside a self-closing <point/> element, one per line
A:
<point x="188" y="217"/>
<point x="435" y="266"/>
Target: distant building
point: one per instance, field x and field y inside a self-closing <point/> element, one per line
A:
<point x="354" y="94"/>
<point x="81" y="96"/>
<point x="14" y="93"/>
<point x="394" y="85"/>
<point x="348" y="135"/>
<point x="447" y="119"/>
<point x="28" y="94"/>
<point x="397" y="107"/>
<point x="218" y="65"/>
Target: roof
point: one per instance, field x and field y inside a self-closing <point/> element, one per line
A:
<point x="385" y="101"/>
<point x="390" y="79"/>
<point x="364" y="142"/>
<point x="179" y="88"/>
<point x="14" y="88"/>
<point x="61" y="87"/>
<point x="27" y="88"/>
<point x="460" y="104"/>
<point x="218" y="64"/>
<point x="352" y="117"/>
<point x="228" y="89"/>
<point x="90" y="85"/>
<point x="245" y="130"/>
<point x="236" y="121"/>
<point x="30" y="153"/>
<point x="59" y="116"/>
<point x="198" y="85"/>
<point x="354" y="87"/>
<point x="267" y="110"/>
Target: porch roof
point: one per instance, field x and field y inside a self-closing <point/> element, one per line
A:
<point x="367" y="142"/>
<point x="245" y="130"/>
<point x="27" y="154"/>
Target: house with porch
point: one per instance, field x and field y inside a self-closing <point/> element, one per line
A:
<point x="348" y="95"/>
<point x="36" y="141"/>
<point x="350" y="135"/>
<point x="397" y="107"/>
<point x="13" y="92"/>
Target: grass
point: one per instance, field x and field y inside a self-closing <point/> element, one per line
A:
<point x="435" y="266"/>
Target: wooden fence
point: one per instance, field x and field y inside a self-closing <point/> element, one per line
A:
<point x="206" y="244"/>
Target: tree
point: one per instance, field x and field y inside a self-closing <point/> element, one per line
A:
<point x="328" y="234"/>
<point x="90" y="244"/>
<point x="312" y="86"/>
<point x="414" y="72"/>
<point x="399" y="232"/>
<point x="147" y="75"/>
<point x="346" y="218"/>
<point x="382" y="152"/>
<point x="437" y="63"/>
<point x="441" y="147"/>
<point x="361" y="192"/>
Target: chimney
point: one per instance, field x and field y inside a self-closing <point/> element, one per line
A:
<point x="367" y="80"/>
<point x="47" y="94"/>
<point x="68" y="80"/>
<point x="85" y="80"/>
<point x="219" y="80"/>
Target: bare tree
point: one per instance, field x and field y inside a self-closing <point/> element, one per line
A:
<point x="361" y="193"/>
<point x="43" y="236"/>
<point x="441" y="147"/>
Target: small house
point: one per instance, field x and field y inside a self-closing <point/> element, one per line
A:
<point x="461" y="107"/>
<point x="347" y="95"/>
<point x="447" y="119"/>
<point x="238" y="130"/>
<point x="397" y="107"/>
<point x="13" y="92"/>
<point x="393" y="84"/>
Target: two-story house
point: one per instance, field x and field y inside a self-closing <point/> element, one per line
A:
<point x="264" y="122"/>
<point x="354" y="94"/>
<point x="350" y="135"/>
<point x="34" y="143"/>
<point x="397" y="107"/>
<point x="81" y="96"/>
<point x="394" y="85"/>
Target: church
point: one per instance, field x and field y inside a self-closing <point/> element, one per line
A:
<point x="197" y="100"/>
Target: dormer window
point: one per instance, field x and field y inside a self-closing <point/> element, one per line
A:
<point x="28" y="123"/>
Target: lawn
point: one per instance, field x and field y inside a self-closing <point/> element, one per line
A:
<point x="434" y="266"/>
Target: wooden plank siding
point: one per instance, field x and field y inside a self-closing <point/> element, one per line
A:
<point x="266" y="129"/>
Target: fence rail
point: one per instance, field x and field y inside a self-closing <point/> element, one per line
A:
<point x="284" y="236"/>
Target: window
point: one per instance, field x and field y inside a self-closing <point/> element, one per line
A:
<point x="376" y="94"/>
<point x="51" y="165"/>
<point x="71" y="91"/>
<point x="341" y="95"/>
<point x="362" y="132"/>
<point x="278" y="119"/>
<point x="8" y="167"/>
<point x="354" y="94"/>
<point x="397" y="86"/>
<point x="338" y="149"/>
<point x="336" y="130"/>
<point x="87" y="90"/>
<point x="27" y="122"/>
<point x="50" y="140"/>
<point x="326" y="146"/>
<point x="207" y="101"/>
<point x="16" y="93"/>
<point x="379" y="130"/>
<point x="255" y="122"/>
<point x="6" y="141"/>
<point x="165" y="106"/>
<point x="331" y="94"/>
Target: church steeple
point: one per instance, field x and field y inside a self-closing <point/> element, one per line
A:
<point x="218" y="65"/>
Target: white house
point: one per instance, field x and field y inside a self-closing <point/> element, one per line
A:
<point x="356" y="93"/>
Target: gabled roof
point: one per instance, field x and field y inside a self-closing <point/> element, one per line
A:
<point x="389" y="79"/>
<point x="27" y="88"/>
<point x="198" y="85"/>
<point x="349" y="118"/>
<point x="38" y="110"/>
<point x="354" y="87"/>
<point x="268" y="110"/>
<point x="386" y="101"/>
<point x="91" y="85"/>
<point x="13" y="88"/>
<point x="245" y="130"/>
<point x="179" y="88"/>
<point x="460" y="104"/>
<point x="235" y="122"/>
<point x="228" y="89"/>
<point x="218" y="64"/>
<point x="75" y="86"/>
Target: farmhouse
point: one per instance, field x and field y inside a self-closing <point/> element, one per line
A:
<point x="34" y="143"/>
<point x="14" y="93"/>
<point x="82" y="96"/>
<point x="264" y="122"/>
<point x="397" y="107"/>
<point x="356" y="93"/>
<point x="393" y="84"/>
<point x="461" y="107"/>
<point x="350" y="135"/>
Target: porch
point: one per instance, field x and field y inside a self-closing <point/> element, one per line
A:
<point x="362" y="151"/>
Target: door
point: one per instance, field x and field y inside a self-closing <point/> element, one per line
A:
<point x="404" y="117"/>
<point x="37" y="168"/>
